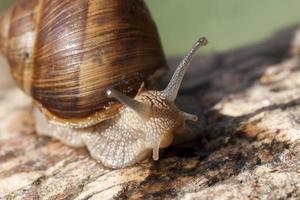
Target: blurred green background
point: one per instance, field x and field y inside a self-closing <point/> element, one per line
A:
<point x="226" y="23"/>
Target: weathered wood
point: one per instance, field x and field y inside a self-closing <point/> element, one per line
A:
<point x="247" y="146"/>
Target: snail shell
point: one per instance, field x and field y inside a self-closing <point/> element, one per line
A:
<point x="77" y="57"/>
<point x="65" y="54"/>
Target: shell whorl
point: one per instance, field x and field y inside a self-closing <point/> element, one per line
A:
<point x="17" y="39"/>
<point x="65" y="54"/>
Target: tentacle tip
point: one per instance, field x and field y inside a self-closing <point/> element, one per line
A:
<point x="155" y="154"/>
<point x="188" y="116"/>
<point x="203" y="41"/>
<point x="154" y="157"/>
<point x="194" y="118"/>
<point x="109" y="93"/>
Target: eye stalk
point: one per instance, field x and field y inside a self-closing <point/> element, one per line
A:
<point x="172" y="89"/>
<point x="141" y="109"/>
<point x="170" y="92"/>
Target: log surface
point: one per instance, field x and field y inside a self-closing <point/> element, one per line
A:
<point x="247" y="142"/>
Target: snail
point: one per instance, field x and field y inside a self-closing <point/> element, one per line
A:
<point x="89" y="66"/>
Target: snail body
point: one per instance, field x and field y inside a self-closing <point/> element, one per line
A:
<point x="89" y="68"/>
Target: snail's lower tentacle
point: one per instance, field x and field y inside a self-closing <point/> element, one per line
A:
<point x="156" y="146"/>
<point x="188" y="116"/>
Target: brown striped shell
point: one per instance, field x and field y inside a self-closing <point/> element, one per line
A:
<point x="65" y="54"/>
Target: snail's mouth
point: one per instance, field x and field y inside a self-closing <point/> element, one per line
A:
<point x="166" y="140"/>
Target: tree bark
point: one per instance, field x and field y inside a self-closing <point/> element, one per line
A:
<point x="246" y="147"/>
